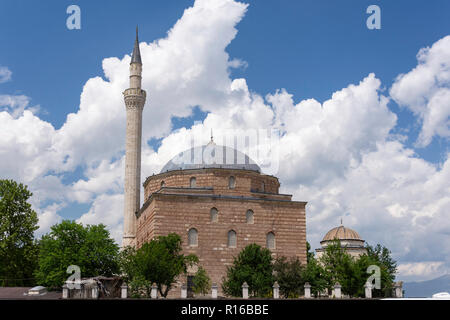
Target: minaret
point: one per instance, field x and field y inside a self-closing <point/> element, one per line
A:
<point x="134" y="102"/>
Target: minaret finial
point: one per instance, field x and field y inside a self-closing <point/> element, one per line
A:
<point x="212" y="139"/>
<point x="136" y="57"/>
<point x="341" y="221"/>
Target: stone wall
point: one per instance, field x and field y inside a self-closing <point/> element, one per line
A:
<point x="246" y="181"/>
<point x="174" y="210"/>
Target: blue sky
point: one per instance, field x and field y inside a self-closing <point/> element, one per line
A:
<point x="311" y="49"/>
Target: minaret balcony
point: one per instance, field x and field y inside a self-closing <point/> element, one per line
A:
<point x="134" y="92"/>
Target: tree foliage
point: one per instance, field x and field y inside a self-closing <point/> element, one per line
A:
<point x="201" y="282"/>
<point x="314" y="274"/>
<point x="381" y="256"/>
<point x="289" y="273"/>
<point x="338" y="268"/>
<point x="309" y="253"/>
<point x="18" y="221"/>
<point x="351" y="273"/>
<point x="159" y="261"/>
<point x="254" y="266"/>
<point x="70" y="243"/>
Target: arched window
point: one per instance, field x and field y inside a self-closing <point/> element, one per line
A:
<point x="193" y="182"/>
<point x="232" y="239"/>
<point x="163" y="184"/>
<point x="270" y="240"/>
<point x="193" y="237"/>
<point x="214" y="215"/>
<point x="231" y="182"/>
<point x="249" y="216"/>
<point x="263" y="187"/>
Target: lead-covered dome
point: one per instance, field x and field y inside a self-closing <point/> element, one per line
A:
<point x="349" y="240"/>
<point x="341" y="233"/>
<point x="211" y="156"/>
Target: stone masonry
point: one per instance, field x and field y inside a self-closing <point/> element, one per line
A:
<point x="171" y="205"/>
<point x="134" y="100"/>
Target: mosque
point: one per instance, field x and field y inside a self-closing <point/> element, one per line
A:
<point x="217" y="207"/>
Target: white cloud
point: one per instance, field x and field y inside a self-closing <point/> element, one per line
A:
<point x="108" y="210"/>
<point x="425" y="90"/>
<point x="15" y="105"/>
<point x="322" y="141"/>
<point x="187" y="68"/>
<point x="48" y="217"/>
<point x="391" y="197"/>
<point x="106" y="177"/>
<point x="48" y="188"/>
<point x="5" y="74"/>
<point x="26" y="146"/>
<point x="422" y="270"/>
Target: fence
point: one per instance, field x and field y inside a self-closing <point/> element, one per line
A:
<point x="93" y="289"/>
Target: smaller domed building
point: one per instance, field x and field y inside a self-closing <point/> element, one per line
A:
<point x="349" y="239"/>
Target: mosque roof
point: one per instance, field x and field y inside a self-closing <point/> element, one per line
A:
<point x="341" y="233"/>
<point x="211" y="156"/>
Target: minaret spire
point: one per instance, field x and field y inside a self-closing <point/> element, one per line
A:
<point x="211" y="142"/>
<point x="134" y="101"/>
<point x="136" y="65"/>
<point x="136" y="56"/>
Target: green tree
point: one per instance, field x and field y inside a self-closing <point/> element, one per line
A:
<point x="254" y="266"/>
<point x="159" y="261"/>
<point x="289" y="275"/>
<point x="351" y="272"/>
<point x="70" y="243"/>
<point x="138" y="285"/>
<point x="381" y="256"/>
<point x="18" y="221"/>
<point x="309" y="253"/>
<point x="201" y="282"/>
<point x="315" y="275"/>
<point x="339" y="266"/>
<point x="127" y="264"/>
<point x="361" y="275"/>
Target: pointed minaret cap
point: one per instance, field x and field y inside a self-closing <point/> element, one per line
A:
<point x="212" y="139"/>
<point x="136" y="57"/>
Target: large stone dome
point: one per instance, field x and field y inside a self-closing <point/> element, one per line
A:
<point x="341" y="233"/>
<point x="211" y="156"/>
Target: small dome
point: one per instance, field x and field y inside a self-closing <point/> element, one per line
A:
<point x="211" y="156"/>
<point x="341" y="233"/>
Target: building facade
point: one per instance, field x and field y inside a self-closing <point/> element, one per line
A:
<point x="219" y="209"/>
